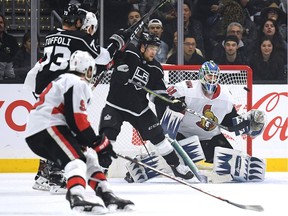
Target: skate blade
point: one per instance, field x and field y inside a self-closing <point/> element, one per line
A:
<point x="96" y="210"/>
<point x="129" y="208"/>
<point x="99" y="210"/>
<point x="57" y="190"/>
<point x="40" y="187"/>
<point x="113" y="208"/>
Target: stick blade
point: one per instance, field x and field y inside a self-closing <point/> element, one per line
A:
<point x="257" y="208"/>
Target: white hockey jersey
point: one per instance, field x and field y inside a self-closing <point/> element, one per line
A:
<point x="215" y="108"/>
<point x="67" y="96"/>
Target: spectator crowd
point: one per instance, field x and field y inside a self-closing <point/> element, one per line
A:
<point x="229" y="32"/>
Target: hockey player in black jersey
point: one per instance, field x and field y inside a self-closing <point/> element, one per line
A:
<point x="127" y="102"/>
<point x="60" y="43"/>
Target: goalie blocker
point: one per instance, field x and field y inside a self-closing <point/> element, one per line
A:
<point x="257" y="120"/>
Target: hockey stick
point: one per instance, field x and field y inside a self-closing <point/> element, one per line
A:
<point x="233" y="128"/>
<point x="257" y="208"/>
<point x="187" y="160"/>
<point x="136" y="27"/>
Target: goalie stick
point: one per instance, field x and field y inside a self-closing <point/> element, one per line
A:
<point x="257" y="208"/>
<point x="135" y="28"/>
<point x="187" y="160"/>
<point x="233" y="128"/>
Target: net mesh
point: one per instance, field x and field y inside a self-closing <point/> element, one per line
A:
<point x="236" y="78"/>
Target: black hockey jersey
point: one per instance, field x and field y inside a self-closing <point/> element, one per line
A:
<point x="59" y="46"/>
<point x="129" y="97"/>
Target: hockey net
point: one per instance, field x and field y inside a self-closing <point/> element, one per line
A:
<point x="238" y="80"/>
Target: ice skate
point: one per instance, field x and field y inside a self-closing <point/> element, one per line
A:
<point x="57" y="182"/>
<point x="81" y="202"/>
<point x="113" y="203"/>
<point x="41" y="178"/>
<point x="41" y="183"/>
<point x="182" y="171"/>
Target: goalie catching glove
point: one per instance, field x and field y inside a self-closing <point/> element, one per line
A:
<point x="257" y="122"/>
<point x="104" y="150"/>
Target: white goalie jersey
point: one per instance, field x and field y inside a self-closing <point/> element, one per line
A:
<point x="214" y="108"/>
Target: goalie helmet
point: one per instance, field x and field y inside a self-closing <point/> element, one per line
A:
<point x="149" y="39"/>
<point x="70" y="14"/>
<point x="90" y="20"/>
<point x="209" y="75"/>
<point x="81" y="62"/>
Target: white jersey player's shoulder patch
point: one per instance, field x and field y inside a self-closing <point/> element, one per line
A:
<point x="189" y="83"/>
<point x="179" y="89"/>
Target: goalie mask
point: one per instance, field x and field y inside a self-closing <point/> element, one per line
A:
<point x="90" y="21"/>
<point x="82" y="62"/>
<point x="209" y="75"/>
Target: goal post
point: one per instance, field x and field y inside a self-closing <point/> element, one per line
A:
<point x="238" y="79"/>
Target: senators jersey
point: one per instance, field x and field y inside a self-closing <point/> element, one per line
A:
<point x="218" y="108"/>
<point x="128" y="97"/>
<point x="59" y="45"/>
<point x="63" y="102"/>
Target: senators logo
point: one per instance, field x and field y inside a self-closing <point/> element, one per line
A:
<point x="203" y="123"/>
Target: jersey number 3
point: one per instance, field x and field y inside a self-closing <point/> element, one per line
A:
<point x="58" y="57"/>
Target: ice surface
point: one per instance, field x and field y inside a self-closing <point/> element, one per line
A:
<point x="159" y="196"/>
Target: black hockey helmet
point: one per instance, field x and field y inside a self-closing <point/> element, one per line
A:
<point x="71" y="14"/>
<point x="149" y="39"/>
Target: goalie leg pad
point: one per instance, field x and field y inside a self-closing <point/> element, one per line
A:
<point x="230" y="161"/>
<point x="140" y="174"/>
<point x="192" y="147"/>
<point x="170" y="122"/>
<point x="256" y="169"/>
<point x="239" y="165"/>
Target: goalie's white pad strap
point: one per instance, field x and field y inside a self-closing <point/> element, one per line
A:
<point x="192" y="147"/>
<point x="170" y="122"/>
<point x="239" y="165"/>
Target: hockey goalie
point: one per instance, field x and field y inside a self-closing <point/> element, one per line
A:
<point x="203" y="140"/>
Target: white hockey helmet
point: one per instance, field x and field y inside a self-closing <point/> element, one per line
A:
<point x="209" y="76"/>
<point x="90" y="21"/>
<point x="83" y="62"/>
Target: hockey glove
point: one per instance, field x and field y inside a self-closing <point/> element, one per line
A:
<point x="122" y="74"/>
<point x="104" y="151"/>
<point x="178" y="105"/>
<point x="120" y="37"/>
<point x="257" y="122"/>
